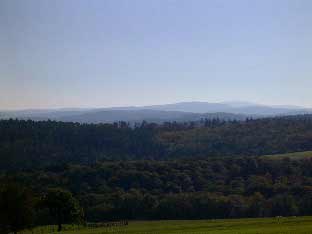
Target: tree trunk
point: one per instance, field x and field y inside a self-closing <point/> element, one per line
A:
<point x="59" y="220"/>
<point x="59" y="226"/>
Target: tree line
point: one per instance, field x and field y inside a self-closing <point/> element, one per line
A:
<point x="29" y="144"/>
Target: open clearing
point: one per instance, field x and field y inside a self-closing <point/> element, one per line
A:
<point x="290" y="225"/>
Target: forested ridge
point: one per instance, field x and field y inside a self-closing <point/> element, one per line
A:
<point x="193" y="170"/>
<point x="29" y="144"/>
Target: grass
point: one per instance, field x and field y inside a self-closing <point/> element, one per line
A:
<point x="289" y="225"/>
<point x="296" y="155"/>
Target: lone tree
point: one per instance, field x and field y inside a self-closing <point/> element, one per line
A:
<point x="16" y="208"/>
<point x="63" y="207"/>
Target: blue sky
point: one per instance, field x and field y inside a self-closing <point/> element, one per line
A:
<point x="102" y="53"/>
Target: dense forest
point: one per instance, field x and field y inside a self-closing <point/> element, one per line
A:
<point x="29" y="144"/>
<point x="181" y="189"/>
<point x="193" y="170"/>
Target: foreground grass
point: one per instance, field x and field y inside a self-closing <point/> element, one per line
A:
<point x="291" y="225"/>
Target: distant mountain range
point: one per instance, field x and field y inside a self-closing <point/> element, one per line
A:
<point x="183" y="111"/>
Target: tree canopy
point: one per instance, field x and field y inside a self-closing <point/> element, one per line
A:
<point x="62" y="206"/>
<point x="220" y="187"/>
<point x="30" y="145"/>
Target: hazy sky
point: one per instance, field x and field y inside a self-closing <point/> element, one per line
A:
<point x="63" y="53"/>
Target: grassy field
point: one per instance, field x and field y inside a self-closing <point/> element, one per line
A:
<point x="291" y="225"/>
<point x="296" y="155"/>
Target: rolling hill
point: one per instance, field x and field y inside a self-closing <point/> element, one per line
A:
<point x="180" y="112"/>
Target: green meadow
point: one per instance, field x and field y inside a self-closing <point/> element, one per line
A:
<point x="295" y="155"/>
<point x="289" y="225"/>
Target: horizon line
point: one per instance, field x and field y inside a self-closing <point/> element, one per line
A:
<point x="247" y="103"/>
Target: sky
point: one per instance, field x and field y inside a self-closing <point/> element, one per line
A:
<point x="102" y="53"/>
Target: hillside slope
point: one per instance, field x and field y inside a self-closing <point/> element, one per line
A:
<point x="27" y="144"/>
